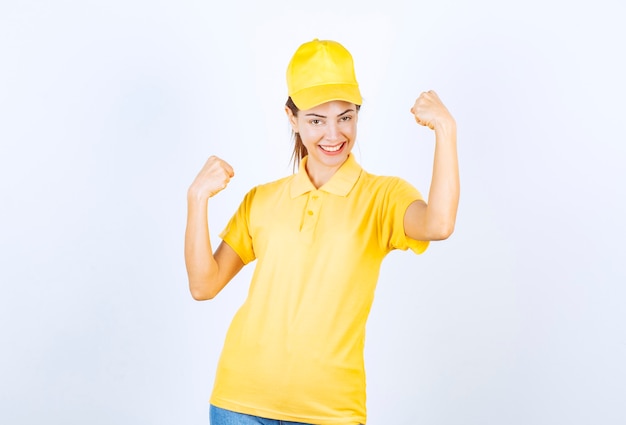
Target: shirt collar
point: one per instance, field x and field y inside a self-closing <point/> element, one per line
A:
<point x="340" y="184"/>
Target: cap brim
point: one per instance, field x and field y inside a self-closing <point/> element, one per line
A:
<point x="313" y="96"/>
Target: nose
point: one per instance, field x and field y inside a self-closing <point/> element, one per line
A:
<point x="332" y="131"/>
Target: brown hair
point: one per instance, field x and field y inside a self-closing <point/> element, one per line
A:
<point x="299" y="150"/>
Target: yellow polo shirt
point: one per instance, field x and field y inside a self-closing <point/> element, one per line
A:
<point x="294" y="350"/>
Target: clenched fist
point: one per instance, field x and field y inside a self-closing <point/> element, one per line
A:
<point x="430" y="112"/>
<point x="212" y="178"/>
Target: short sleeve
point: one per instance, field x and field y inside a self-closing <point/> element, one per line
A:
<point x="237" y="232"/>
<point x="398" y="196"/>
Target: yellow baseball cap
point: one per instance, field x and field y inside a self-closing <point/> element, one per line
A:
<point x="321" y="71"/>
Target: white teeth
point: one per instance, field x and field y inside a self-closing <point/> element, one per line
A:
<point x="331" y="148"/>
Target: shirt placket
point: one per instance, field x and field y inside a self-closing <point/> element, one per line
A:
<point x="311" y="216"/>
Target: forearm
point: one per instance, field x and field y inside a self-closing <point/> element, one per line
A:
<point x="199" y="260"/>
<point x="443" y="197"/>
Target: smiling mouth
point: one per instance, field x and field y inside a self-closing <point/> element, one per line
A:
<point x="332" y="148"/>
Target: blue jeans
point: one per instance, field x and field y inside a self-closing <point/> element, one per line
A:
<point x="219" y="416"/>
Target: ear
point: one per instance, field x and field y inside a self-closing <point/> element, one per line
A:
<point x="293" y="120"/>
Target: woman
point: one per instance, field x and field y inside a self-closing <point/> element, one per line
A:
<point x="294" y="351"/>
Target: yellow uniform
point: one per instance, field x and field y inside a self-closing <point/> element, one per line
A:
<point x="294" y="350"/>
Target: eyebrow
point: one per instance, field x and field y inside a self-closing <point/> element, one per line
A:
<point x="323" y="116"/>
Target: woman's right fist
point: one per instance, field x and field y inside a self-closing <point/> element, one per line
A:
<point x="212" y="178"/>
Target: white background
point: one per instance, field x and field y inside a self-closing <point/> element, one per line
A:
<point x="109" y="109"/>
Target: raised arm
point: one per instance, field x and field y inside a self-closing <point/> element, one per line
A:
<point x="208" y="273"/>
<point x="435" y="220"/>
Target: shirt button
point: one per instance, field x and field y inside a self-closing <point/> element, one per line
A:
<point x="315" y="196"/>
<point x="310" y="212"/>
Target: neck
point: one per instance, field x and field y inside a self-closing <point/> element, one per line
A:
<point x="319" y="174"/>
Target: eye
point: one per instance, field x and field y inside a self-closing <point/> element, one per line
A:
<point x="346" y="118"/>
<point x="315" y="121"/>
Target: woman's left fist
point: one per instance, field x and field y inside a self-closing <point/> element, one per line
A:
<point x="430" y="111"/>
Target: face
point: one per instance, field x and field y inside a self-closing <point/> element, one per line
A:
<point x="328" y="131"/>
